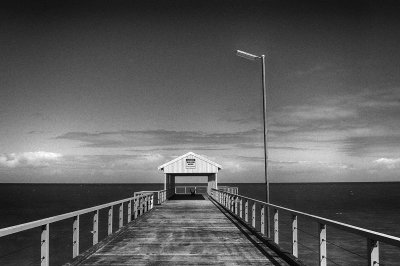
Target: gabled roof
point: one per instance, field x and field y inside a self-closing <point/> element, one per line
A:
<point x="161" y="167"/>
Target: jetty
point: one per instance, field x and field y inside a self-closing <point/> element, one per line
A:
<point x="195" y="225"/>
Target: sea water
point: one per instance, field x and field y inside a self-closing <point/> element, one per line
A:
<point x="375" y="206"/>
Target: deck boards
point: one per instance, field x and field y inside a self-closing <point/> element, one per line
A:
<point x="184" y="232"/>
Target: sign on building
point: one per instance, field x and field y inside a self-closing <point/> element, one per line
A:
<point x="190" y="163"/>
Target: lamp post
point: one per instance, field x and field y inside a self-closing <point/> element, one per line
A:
<point x="264" y="90"/>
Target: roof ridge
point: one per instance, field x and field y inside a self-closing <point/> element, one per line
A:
<point x="186" y="154"/>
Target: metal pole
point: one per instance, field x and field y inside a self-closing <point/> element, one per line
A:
<point x="265" y="141"/>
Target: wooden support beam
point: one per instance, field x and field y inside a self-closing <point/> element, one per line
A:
<point x="75" y="236"/>
<point x="262" y="215"/>
<point x="236" y="205"/>
<point x="121" y="215"/>
<point x="322" y="244"/>
<point x="110" y="220"/>
<point x="135" y="208"/>
<point x="241" y="208"/>
<point x="276" y="226"/>
<point x="246" y="211"/>
<point x="373" y="252"/>
<point x="253" y="215"/>
<point x="95" y="227"/>
<point x="44" y="245"/>
<point x="295" y="249"/>
<point x="129" y="211"/>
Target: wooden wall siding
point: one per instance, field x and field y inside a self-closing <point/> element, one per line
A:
<point x="180" y="166"/>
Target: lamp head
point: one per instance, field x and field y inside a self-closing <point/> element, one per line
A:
<point x="247" y="55"/>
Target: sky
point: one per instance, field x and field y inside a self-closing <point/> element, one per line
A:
<point x="107" y="91"/>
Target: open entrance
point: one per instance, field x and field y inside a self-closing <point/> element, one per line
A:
<point x="190" y="167"/>
<point x="191" y="185"/>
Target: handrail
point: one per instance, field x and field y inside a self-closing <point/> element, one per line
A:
<point x="234" y="204"/>
<point x="30" y="225"/>
<point x="161" y="194"/>
<point x="343" y="226"/>
<point x="141" y="204"/>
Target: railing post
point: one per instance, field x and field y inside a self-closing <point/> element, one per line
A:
<point x="253" y="215"/>
<point x="129" y="211"/>
<point x="236" y="205"/>
<point x="121" y="215"/>
<point x="295" y="249"/>
<point x="139" y="206"/>
<point x="135" y="208"/>
<point x="322" y="244"/>
<point x="241" y="208"/>
<point x="75" y="237"/>
<point x="95" y="227"/>
<point x="373" y="252"/>
<point x="158" y="198"/>
<point x="262" y="219"/>
<point x="246" y="211"/>
<point x="44" y="245"/>
<point x="276" y="226"/>
<point x="152" y="201"/>
<point x="110" y="221"/>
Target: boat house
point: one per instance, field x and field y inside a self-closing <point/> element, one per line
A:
<point x="190" y="164"/>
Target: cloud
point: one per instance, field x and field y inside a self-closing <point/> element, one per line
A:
<point x="33" y="159"/>
<point x="147" y="138"/>
<point x="390" y="163"/>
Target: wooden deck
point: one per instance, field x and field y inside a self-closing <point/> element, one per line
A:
<point x="184" y="232"/>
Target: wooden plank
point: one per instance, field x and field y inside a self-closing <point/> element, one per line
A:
<point x="183" y="232"/>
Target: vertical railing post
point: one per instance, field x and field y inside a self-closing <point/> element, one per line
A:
<point x="121" y="215"/>
<point x="110" y="221"/>
<point x="373" y="252"/>
<point x="322" y="244"/>
<point x="241" y="208"/>
<point x="135" y="208"/>
<point x="236" y="205"/>
<point x="262" y="216"/>
<point x="158" y="198"/>
<point x="295" y="249"/>
<point x="129" y="211"/>
<point x="246" y="211"/>
<point x="276" y="226"/>
<point x="44" y="245"/>
<point x="139" y="206"/>
<point x="152" y="201"/>
<point x="75" y="236"/>
<point x="253" y="215"/>
<point x="95" y="227"/>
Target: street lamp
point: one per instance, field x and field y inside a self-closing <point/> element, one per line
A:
<point x="262" y="59"/>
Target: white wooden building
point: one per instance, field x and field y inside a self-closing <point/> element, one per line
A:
<point x="189" y="164"/>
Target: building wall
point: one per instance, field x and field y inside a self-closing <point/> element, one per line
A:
<point x="182" y="167"/>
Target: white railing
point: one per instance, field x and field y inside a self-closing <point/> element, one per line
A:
<point x="233" y="190"/>
<point x="234" y="204"/>
<point x="161" y="195"/>
<point x="190" y="189"/>
<point x="141" y="204"/>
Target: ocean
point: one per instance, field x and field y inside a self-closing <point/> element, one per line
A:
<point x="374" y="206"/>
